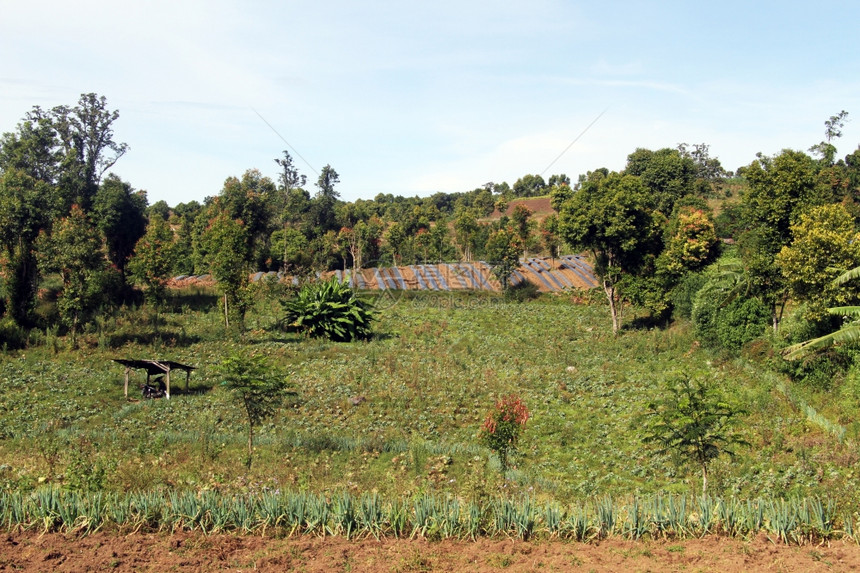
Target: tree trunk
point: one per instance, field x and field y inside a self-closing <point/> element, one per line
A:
<point x="250" y="444"/>
<point x="704" y="480"/>
<point x="609" y="289"/>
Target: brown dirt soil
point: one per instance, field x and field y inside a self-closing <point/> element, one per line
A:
<point x="539" y="206"/>
<point x="197" y="552"/>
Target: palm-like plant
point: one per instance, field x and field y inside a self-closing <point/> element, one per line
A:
<point x="329" y="309"/>
<point x="849" y="332"/>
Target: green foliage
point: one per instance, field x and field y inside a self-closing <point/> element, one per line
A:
<point x="503" y="251"/>
<point x="691" y="244"/>
<point x="848" y="333"/>
<point x="666" y="173"/>
<point x="693" y="420"/>
<point x="825" y="243"/>
<point x="611" y="217"/>
<point x="154" y="259"/>
<point x="684" y="294"/>
<point x="119" y="213"/>
<point x="74" y="250"/>
<point x="780" y="189"/>
<point x="226" y="242"/>
<point x="329" y="309"/>
<point x="24" y="211"/>
<point x="522" y="291"/>
<point x="256" y="386"/>
<point x="502" y="427"/>
<point x="12" y="335"/>
<point x="727" y="322"/>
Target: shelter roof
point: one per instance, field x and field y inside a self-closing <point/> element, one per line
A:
<point x="154" y="366"/>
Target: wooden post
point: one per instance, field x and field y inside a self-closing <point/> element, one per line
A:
<point x="126" y="380"/>
<point x="167" y="380"/>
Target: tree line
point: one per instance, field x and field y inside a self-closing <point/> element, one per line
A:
<point x="74" y="230"/>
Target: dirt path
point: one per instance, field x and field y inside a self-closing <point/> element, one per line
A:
<point x="196" y="552"/>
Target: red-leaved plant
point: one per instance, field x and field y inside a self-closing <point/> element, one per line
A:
<point x="502" y="427"/>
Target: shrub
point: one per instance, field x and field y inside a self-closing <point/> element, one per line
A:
<point x="728" y="325"/>
<point x="502" y="427"/>
<point x="684" y="294"/>
<point x="12" y="336"/>
<point x="329" y="309"/>
<point x="522" y="291"/>
<point x="741" y="321"/>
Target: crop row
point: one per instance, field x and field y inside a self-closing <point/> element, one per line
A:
<point x="428" y="515"/>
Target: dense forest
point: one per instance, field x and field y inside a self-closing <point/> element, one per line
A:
<point x="74" y="233"/>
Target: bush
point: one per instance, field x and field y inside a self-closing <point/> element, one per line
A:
<point x="729" y="326"/>
<point x="329" y="309"/>
<point x="502" y="427"/>
<point x="684" y="294"/>
<point x="12" y="336"/>
<point x="741" y="321"/>
<point x="522" y="291"/>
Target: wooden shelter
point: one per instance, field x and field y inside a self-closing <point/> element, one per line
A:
<point x="155" y="367"/>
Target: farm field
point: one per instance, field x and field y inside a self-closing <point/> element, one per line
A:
<point x="398" y="416"/>
<point x="196" y="552"/>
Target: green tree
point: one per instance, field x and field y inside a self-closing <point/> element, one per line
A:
<point x="548" y="229"/>
<point x="258" y="388"/>
<point x="290" y="246"/>
<point x="666" y="173"/>
<point x="692" y="242"/>
<point x="23" y="213"/>
<point x="503" y="251"/>
<point x="529" y="186"/>
<point x="229" y="251"/>
<point x="780" y="189"/>
<point x="322" y="216"/>
<point x="154" y="259"/>
<point x="395" y="238"/>
<point x="120" y="215"/>
<point x="611" y="217"/>
<point x="825" y="243"/>
<point x="158" y="209"/>
<point x="86" y="141"/>
<point x="692" y="420"/>
<point x="522" y="223"/>
<point x="832" y="130"/>
<point x="74" y="250"/>
<point x="466" y="232"/>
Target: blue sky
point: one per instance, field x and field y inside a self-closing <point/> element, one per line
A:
<point x="410" y="98"/>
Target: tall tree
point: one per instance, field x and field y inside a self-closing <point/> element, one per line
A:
<point x="120" y="215"/>
<point x="780" y="189"/>
<point x="74" y="250"/>
<point x="666" y="173"/>
<point x="69" y="147"/>
<point x="825" y="243"/>
<point x="23" y="213"/>
<point x="291" y="182"/>
<point x="322" y="209"/>
<point x="154" y="259"/>
<point x="611" y="217"/>
<point x="229" y="252"/>
<point x="832" y="130"/>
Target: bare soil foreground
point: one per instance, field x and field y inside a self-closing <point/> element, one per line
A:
<point x="197" y="552"/>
